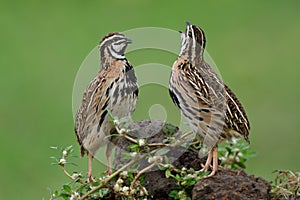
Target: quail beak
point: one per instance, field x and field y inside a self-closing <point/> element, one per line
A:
<point x="128" y="41"/>
<point x="182" y="33"/>
<point x="187" y="23"/>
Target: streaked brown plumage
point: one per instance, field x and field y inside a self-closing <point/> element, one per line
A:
<point x="114" y="88"/>
<point x="211" y="109"/>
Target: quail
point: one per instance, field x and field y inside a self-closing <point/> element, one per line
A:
<point x="209" y="106"/>
<point x="114" y="89"/>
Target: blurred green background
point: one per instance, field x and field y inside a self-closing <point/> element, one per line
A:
<point x="254" y="43"/>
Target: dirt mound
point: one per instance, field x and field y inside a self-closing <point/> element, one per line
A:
<point x="226" y="184"/>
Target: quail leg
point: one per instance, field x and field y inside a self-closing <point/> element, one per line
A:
<point x="208" y="162"/>
<point x="214" y="153"/>
<point x="109" y="149"/>
<point x="90" y="167"/>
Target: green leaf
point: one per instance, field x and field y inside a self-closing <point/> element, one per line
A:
<point x="191" y="171"/>
<point x="178" y="178"/>
<point x="134" y="147"/>
<point x="110" y="113"/>
<point x="67" y="188"/>
<point x="69" y="148"/>
<point x="64" y="196"/>
<point x="166" y="159"/>
<point x="103" y="192"/>
<point x="241" y="165"/>
<point x="228" y="149"/>
<point x="251" y="154"/>
<point x="168" y="173"/>
<point x="173" y="194"/>
<point x="169" y="129"/>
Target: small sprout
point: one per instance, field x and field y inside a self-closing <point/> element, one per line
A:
<point x="150" y="160"/>
<point x="120" y="181"/>
<point x="141" y="142"/>
<point x="157" y="159"/>
<point x="234" y="154"/>
<point x="76" y="175"/>
<point x="132" y="191"/>
<point x="101" y="178"/>
<point x="234" y="140"/>
<point x="123" y="130"/>
<point x="124" y="174"/>
<point x="125" y="190"/>
<point x="117" y="187"/>
<point x="65" y="153"/>
<point x="62" y="161"/>
<point x="52" y="197"/>
<point x="103" y="192"/>
<point x="141" y="193"/>
<point x="192" y="175"/>
<point x="145" y="191"/>
<point x="75" y="196"/>
<point x="116" y="122"/>
<point x="133" y="154"/>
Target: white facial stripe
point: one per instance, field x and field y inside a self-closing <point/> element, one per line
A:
<point x="115" y="54"/>
<point x="194" y="42"/>
<point x="117" y="47"/>
<point x="183" y="42"/>
<point x="110" y="38"/>
<point x="202" y="40"/>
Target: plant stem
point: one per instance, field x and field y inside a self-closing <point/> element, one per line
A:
<point x="186" y="134"/>
<point x="66" y="172"/>
<point x="103" y="183"/>
<point x="140" y="173"/>
<point x="125" y="135"/>
<point x="157" y="144"/>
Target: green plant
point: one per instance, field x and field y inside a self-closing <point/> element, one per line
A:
<point x="186" y="179"/>
<point x="127" y="182"/>
<point x="233" y="154"/>
<point x="286" y="184"/>
<point x="127" y="186"/>
<point x="78" y="184"/>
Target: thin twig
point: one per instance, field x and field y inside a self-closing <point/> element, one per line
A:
<point x="66" y="172"/>
<point x="136" y="158"/>
<point x="70" y="176"/>
<point x="194" y="143"/>
<point x="125" y="135"/>
<point x="140" y="173"/>
<point x="129" y="138"/>
<point x="186" y="134"/>
<point x="157" y="144"/>
<point x="103" y="183"/>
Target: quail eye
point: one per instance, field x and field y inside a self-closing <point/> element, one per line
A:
<point x="190" y="34"/>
